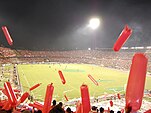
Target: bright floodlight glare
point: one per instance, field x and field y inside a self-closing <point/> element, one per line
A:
<point x="94" y="23"/>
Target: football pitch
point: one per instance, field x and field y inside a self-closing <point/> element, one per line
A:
<point x="110" y="81"/>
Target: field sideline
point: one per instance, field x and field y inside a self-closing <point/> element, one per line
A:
<point x="110" y="80"/>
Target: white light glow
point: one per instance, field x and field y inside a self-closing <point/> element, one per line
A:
<point x="94" y="23"/>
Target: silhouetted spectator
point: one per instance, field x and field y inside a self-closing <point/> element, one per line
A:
<point x="118" y="111"/>
<point x="93" y="109"/>
<point x="58" y="108"/>
<point x="111" y="111"/>
<point x="101" y="110"/>
<point x="68" y="110"/>
<point x="53" y="104"/>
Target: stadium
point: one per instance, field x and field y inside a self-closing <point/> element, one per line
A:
<point x="24" y="68"/>
<point x="75" y="56"/>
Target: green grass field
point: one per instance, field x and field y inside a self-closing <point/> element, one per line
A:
<point x="110" y="80"/>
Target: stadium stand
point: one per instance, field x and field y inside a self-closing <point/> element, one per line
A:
<point x="102" y="57"/>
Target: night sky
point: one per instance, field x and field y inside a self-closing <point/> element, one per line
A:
<point x="62" y="24"/>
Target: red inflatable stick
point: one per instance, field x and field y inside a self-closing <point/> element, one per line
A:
<point x="85" y="98"/>
<point x="16" y="90"/>
<point x="38" y="105"/>
<point x="7" y="106"/>
<point x="148" y="111"/>
<point x="66" y="97"/>
<point x="62" y="77"/>
<point x="119" y="96"/>
<point x="30" y="104"/>
<point x="126" y="33"/>
<point x="48" y="98"/>
<point x="18" y="95"/>
<point x="111" y="103"/>
<point x="7" y="35"/>
<point x="93" y="80"/>
<point x="10" y="93"/>
<point x="108" y="109"/>
<point x="2" y="102"/>
<point x="79" y="107"/>
<point x="122" y="110"/>
<point x="136" y="82"/>
<point x="35" y="86"/>
<point x="4" y="91"/>
<point x="23" y="97"/>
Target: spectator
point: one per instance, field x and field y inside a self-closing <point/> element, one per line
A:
<point x="53" y="104"/>
<point x="101" y="110"/>
<point x="111" y="111"/>
<point x="57" y="109"/>
<point x="68" y="110"/>
<point x="94" y="110"/>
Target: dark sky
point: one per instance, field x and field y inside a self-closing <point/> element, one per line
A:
<point x="61" y="24"/>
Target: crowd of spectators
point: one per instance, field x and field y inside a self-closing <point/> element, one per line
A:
<point x="7" y="52"/>
<point x="104" y="57"/>
<point x="58" y="108"/>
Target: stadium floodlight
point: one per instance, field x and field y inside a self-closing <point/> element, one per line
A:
<point x="94" y="23"/>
